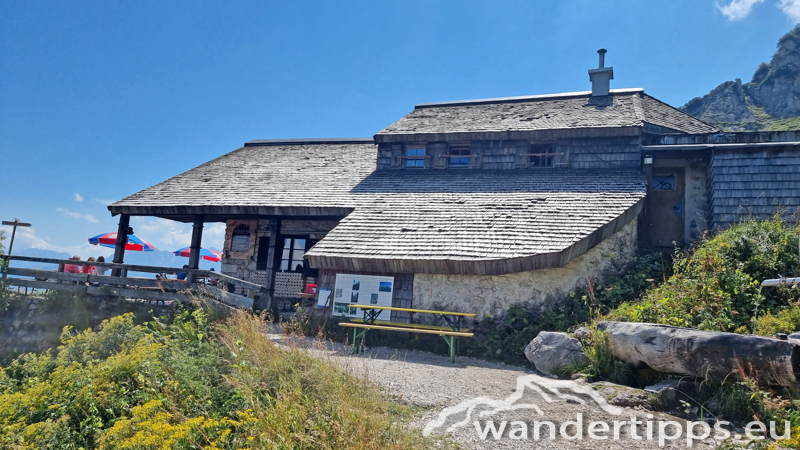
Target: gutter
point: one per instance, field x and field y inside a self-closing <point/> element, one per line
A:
<point x="754" y="145"/>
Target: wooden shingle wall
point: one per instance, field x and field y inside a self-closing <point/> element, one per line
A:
<point x="602" y="153"/>
<point x="622" y="152"/>
<point x="756" y="184"/>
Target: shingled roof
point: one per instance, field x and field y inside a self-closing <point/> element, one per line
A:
<point x="303" y="177"/>
<point x="479" y="221"/>
<point x="471" y="221"/>
<point x="623" y="109"/>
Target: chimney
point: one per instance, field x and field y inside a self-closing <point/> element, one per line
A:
<point x="601" y="77"/>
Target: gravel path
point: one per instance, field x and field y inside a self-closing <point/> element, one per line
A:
<point x="453" y="393"/>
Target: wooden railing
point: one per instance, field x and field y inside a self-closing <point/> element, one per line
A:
<point x="129" y="287"/>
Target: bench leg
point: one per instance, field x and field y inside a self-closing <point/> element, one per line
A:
<point x="356" y="334"/>
<point x="451" y="342"/>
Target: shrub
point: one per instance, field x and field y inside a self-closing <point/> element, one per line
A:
<point x="189" y="383"/>
<point x="717" y="286"/>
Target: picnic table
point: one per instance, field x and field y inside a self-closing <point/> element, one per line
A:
<point x="454" y="320"/>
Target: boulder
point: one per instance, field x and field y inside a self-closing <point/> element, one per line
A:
<point x="582" y="334"/>
<point x="549" y="351"/>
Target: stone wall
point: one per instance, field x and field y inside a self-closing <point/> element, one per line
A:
<point x="488" y="295"/>
<point x="696" y="195"/>
<point x="243" y="265"/>
<point x="34" y="323"/>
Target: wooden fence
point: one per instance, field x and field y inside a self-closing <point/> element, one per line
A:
<point x="129" y="287"/>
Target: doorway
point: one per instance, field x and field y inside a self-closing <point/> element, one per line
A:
<point x="666" y="207"/>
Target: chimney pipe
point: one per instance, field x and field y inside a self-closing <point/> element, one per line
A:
<point x="601" y="77"/>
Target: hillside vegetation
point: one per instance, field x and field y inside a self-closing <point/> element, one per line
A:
<point x="716" y="287"/>
<point x="189" y="384"/>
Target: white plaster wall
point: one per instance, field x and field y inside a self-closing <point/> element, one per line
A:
<point x="488" y="295"/>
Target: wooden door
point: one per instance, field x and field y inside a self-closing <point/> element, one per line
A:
<point x="666" y="207"/>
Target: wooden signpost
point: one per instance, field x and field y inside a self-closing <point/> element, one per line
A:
<point x="16" y="223"/>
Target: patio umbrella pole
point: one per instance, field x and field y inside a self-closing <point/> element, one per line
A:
<point x="122" y="240"/>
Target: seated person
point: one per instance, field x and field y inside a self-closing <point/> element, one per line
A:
<point x="101" y="270"/>
<point x="72" y="268"/>
<point x="212" y="281"/>
<point x="89" y="270"/>
<point x="182" y="275"/>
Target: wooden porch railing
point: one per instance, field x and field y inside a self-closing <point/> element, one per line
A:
<point x="129" y="287"/>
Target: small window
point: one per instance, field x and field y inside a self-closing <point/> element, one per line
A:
<point x="292" y="256"/>
<point x="240" y="240"/>
<point x="664" y="183"/>
<point x="541" y="156"/>
<point x="459" y="157"/>
<point x="415" y="157"/>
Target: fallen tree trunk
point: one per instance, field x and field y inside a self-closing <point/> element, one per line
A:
<point x="707" y="354"/>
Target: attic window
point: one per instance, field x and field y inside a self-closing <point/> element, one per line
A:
<point x="415" y="157"/>
<point x="240" y="240"/>
<point x="541" y="156"/>
<point x="458" y="157"/>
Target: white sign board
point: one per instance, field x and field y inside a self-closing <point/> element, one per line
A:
<point x="362" y="290"/>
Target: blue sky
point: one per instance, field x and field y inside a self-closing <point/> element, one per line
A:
<point x="99" y="99"/>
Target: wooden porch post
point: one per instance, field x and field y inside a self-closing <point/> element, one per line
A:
<point x="194" y="250"/>
<point x="122" y="240"/>
<point x="265" y="301"/>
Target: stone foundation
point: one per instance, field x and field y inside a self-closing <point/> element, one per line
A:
<point x="489" y="295"/>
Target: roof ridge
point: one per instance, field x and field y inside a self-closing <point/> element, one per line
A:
<point x="638" y="109"/>
<point x="523" y="98"/>
<point x="307" y="141"/>
<point x="679" y="110"/>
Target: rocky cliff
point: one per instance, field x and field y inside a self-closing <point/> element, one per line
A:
<point x="770" y="101"/>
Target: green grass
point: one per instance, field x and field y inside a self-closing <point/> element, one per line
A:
<point x="792" y="124"/>
<point x="192" y="383"/>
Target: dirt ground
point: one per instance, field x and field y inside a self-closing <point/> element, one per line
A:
<point x="453" y="397"/>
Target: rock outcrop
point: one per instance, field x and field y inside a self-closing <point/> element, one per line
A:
<point x="548" y="351"/>
<point x="770" y="101"/>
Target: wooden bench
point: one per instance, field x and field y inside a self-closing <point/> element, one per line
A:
<point x="449" y="333"/>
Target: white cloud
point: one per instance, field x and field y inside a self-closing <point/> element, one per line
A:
<point x="78" y="197"/>
<point x="214" y="235"/>
<point x="739" y="9"/>
<point x="791" y="8"/>
<point x="104" y="202"/>
<point x="77" y="215"/>
<point x="29" y="237"/>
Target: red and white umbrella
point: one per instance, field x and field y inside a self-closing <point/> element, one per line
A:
<point x="134" y="243"/>
<point x="205" y="253"/>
